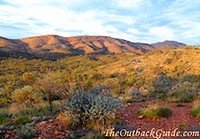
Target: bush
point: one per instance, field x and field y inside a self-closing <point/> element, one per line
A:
<point x="162" y="84"/>
<point x="195" y="111"/>
<point x="26" y="132"/>
<point x="22" y="120"/>
<point x="53" y="87"/>
<point x="29" y="77"/>
<point x="4" y="101"/>
<point x="5" y="95"/>
<point x="38" y="111"/>
<point x="65" y="118"/>
<point x="185" y="97"/>
<point x="155" y="111"/>
<point x="181" y="96"/>
<point x="93" y="110"/>
<point x="26" y="96"/>
<point x="3" y="117"/>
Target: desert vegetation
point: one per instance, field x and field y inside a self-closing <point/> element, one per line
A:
<point x="155" y="111"/>
<point x="87" y="94"/>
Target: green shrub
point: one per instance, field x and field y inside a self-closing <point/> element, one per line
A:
<point x="155" y="111"/>
<point x="22" y="120"/>
<point x="181" y="96"/>
<point x="26" y="131"/>
<point x="159" y="95"/>
<point x="182" y="126"/>
<point x="164" y="112"/>
<point x="93" y="110"/>
<point x="3" y="117"/>
<point x="39" y="111"/>
<point x="186" y="97"/>
<point x="195" y="111"/>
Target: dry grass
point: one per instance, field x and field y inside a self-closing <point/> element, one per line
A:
<point x="155" y="111"/>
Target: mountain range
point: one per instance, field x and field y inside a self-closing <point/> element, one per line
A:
<point x="52" y="47"/>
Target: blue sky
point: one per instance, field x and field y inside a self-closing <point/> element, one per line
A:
<point x="135" y="20"/>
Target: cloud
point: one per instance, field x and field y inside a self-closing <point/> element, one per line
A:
<point x="134" y="20"/>
<point x="128" y="4"/>
<point x="162" y="33"/>
<point x="133" y="31"/>
<point x="66" y="3"/>
<point x="48" y="19"/>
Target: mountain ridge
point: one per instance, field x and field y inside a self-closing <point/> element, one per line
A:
<point x="55" y="46"/>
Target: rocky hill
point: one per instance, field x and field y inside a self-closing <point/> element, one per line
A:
<point x="54" y="46"/>
<point x="168" y="44"/>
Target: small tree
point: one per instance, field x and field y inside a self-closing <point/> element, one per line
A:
<point x="53" y="87"/>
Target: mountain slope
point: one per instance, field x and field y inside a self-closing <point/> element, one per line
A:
<point x="54" y="46"/>
<point x="168" y="44"/>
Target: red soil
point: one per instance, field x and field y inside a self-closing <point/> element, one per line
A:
<point x="180" y="117"/>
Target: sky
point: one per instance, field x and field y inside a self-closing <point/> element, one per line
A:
<point x="145" y="21"/>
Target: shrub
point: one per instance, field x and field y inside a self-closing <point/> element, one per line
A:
<point x="29" y="77"/>
<point x="195" y="111"/>
<point x="185" y="97"/>
<point x="4" y="101"/>
<point x="26" y="96"/>
<point x="162" y="84"/>
<point x="5" y="95"/>
<point x="155" y="111"/>
<point x="26" y="131"/>
<point x="54" y="86"/>
<point x="65" y="118"/>
<point x="181" y="96"/>
<point x="37" y="111"/>
<point x="22" y="120"/>
<point x="3" y="117"/>
<point x="93" y="110"/>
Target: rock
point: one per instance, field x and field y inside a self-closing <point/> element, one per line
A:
<point x="56" y="133"/>
<point x="140" y="117"/>
<point x="50" y="120"/>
